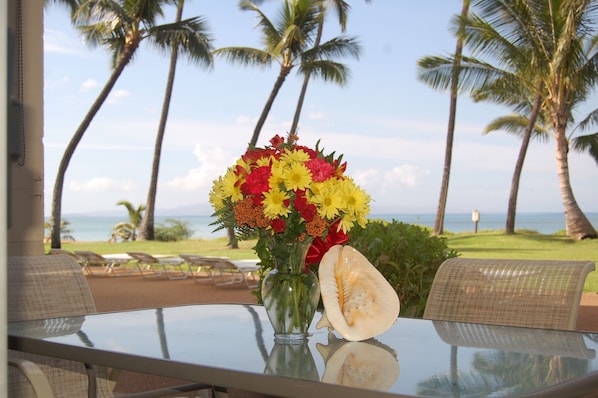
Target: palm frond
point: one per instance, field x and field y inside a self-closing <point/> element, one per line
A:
<point x="327" y="71"/>
<point x="341" y="46"/>
<point x="245" y="56"/>
<point x="189" y="36"/>
<point x="586" y="144"/>
<point x="516" y="124"/>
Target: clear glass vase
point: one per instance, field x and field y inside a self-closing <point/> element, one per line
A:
<point x="290" y="292"/>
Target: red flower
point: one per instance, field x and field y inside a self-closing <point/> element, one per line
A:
<point x="256" y="182"/>
<point x="277" y="141"/>
<point x="320" y="246"/>
<point x="278" y="225"/>
<point x="320" y="169"/>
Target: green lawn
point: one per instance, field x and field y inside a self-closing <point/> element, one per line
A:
<point x="486" y="244"/>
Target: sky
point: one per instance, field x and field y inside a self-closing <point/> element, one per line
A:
<point x="390" y="127"/>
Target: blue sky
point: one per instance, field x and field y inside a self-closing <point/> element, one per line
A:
<point x="390" y="127"/>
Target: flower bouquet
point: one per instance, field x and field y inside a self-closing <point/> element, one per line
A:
<point x="298" y="202"/>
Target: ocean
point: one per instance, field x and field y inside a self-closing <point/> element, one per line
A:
<point x="98" y="228"/>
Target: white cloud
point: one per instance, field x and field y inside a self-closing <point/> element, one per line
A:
<point x="116" y="95"/>
<point x="405" y="176"/>
<point x="59" y="42"/>
<point x="101" y="184"/>
<point x="55" y="83"/>
<point x="212" y="163"/>
<point x="88" y="85"/>
<point x="316" y="115"/>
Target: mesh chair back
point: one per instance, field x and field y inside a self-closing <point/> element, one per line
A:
<point x="528" y="293"/>
<point x="51" y="287"/>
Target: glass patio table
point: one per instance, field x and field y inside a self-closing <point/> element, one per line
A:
<point x="232" y="345"/>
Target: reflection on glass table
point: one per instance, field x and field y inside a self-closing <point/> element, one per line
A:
<point x="232" y="345"/>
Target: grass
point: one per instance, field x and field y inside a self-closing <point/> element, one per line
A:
<point x="485" y="244"/>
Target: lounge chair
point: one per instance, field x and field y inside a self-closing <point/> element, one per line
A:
<point x="153" y="267"/>
<point x="91" y="260"/>
<point x="231" y="272"/>
<point x="528" y="293"/>
<point x="195" y="260"/>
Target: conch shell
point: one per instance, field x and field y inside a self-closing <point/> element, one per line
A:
<point x="361" y="364"/>
<point x="359" y="303"/>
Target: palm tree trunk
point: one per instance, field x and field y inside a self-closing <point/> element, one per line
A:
<point x="448" y="153"/>
<point x="146" y="230"/>
<point x="306" y="78"/>
<point x="72" y="145"/>
<point x="576" y="222"/>
<point x="512" y="207"/>
<point x="284" y="71"/>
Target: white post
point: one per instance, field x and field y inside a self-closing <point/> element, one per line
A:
<point x="475" y="217"/>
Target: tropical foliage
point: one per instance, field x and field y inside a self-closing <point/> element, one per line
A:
<point x="121" y="26"/>
<point x="146" y="229"/>
<point x="289" y="41"/>
<point x="546" y="48"/>
<point x="408" y="257"/>
<point x="128" y="230"/>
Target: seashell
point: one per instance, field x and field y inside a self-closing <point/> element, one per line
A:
<point x="359" y="303"/>
<point x="359" y="364"/>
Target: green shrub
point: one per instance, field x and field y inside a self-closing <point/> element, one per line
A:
<point x="408" y="257"/>
<point x="172" y="230"/>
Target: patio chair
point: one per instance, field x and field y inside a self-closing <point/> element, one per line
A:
<point x="232" y="272"/>
<point x="196" y="260"/>
<point x="95" y="264"/>
<point x="49" y="287"/>
<point x="42" y="287"/>
<point x="153" y="267"/>
<point x="63" y="252"/>
<point x="528" y="293"/>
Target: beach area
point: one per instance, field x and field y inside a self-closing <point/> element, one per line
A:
<point x="94" y="228"/>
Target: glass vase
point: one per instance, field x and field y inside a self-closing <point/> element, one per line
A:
<point x="290" y="292"/>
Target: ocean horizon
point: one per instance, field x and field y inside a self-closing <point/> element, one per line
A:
<point x="95" y="228"/>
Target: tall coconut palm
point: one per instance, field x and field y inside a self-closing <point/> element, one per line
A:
<point x="562" y="36"/>
<point x="558" y="40"/>
<point x="342" y="10"/>
<point x="450" y="134"/>
<point x="289" y="41"/>
<point x="121" y="26"/>
<point x="146" y="229"/>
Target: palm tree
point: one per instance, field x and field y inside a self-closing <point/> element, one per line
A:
<point x="121" y="26"/>
<point x="342" y="9"/>
<point x="135" y="216"/>
<point x="562" y="66"/>
<point x="146" y="230"/>
<point x="289" y="42"/>
<point x="528" y="129"/>
<point x="448" y="151"/>
<point x="65" y="229"/>
<point x="562" y="36"/>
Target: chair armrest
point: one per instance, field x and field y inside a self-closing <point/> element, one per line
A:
<point x="34" y="375"/>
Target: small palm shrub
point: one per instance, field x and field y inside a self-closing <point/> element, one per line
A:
<point x="408" y="257"/>
<point x="172" y="230"/>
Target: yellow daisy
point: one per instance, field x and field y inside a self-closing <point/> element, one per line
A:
<point x="231" y="186"/>
<point x="274" y="203"/>
<point x="328" y="200"/>
<point x="294" y="156"/>
<point x="356" y="201"/>
<point x="297" y="176"/>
